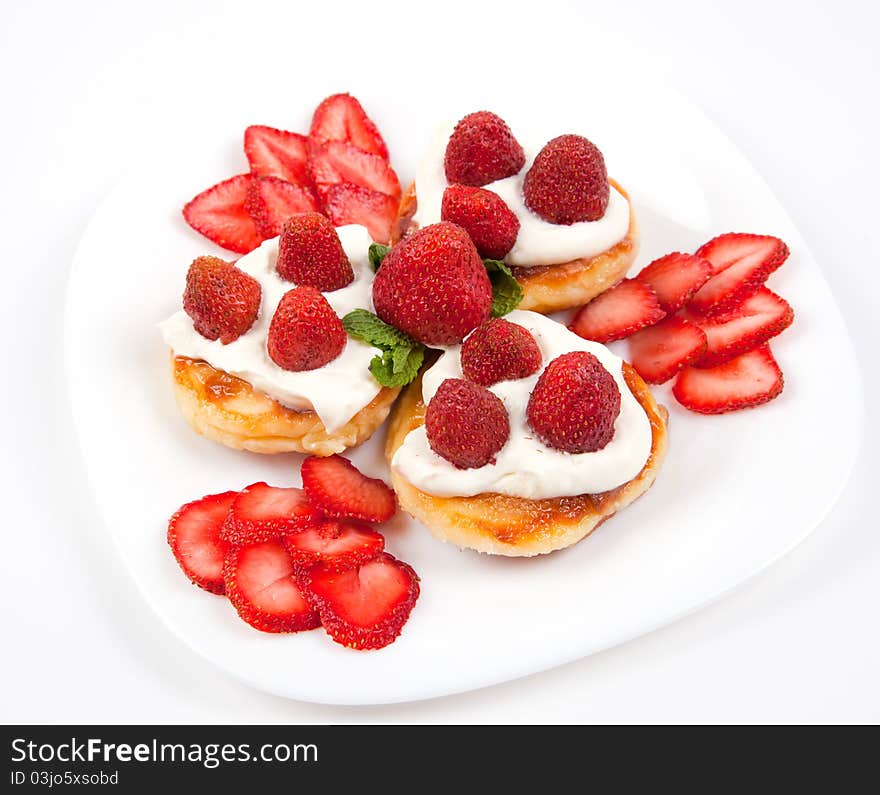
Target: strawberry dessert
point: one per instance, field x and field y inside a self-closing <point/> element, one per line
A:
<point x="516" y="435"/>
<point x="549" y="212"/>
<point x="261" y="359"/>
<point x="523" y="438"/>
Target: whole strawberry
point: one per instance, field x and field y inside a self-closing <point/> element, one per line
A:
<point x="222" y="300"/>
<point x="484" y="216"/>
<point x="574" y="404"/>
<point x="482" y="149"/>
<point x="310" y="253"/>
<point x="567" y="182"/>
<point x="499" y="351"/>
<point x="305" y="332"/>
<point x="433" y="285"/>
<point x="466" y="424"/>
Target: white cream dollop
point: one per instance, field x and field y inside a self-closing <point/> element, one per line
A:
<point x="525" y="466"/>
<point x="539" y="242"/>
<point x="338" y="390"/>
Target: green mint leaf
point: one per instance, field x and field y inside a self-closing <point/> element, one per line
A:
<point x="369" y="328"/>
<point x="401" y="355"/>
<point x="381" y="368"/>
<point x="507" y="292"/>
<point x="398" y="367"/>
<point x="377" y="254"/>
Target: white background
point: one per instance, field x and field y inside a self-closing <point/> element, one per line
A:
<point x="793" y="84"/>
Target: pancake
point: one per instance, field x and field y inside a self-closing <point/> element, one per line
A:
<point x="229" y="410"/>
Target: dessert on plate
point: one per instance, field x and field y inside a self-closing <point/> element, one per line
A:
<point x="524" y="439"/>
<point x="260" y="358"/>
<point x="519" y="437"/>
<point x="550" y="213"/>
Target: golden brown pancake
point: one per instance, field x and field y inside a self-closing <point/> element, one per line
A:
<point x="230" y="411"/>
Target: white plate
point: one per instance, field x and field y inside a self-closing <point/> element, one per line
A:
<point x="736" y="493"/>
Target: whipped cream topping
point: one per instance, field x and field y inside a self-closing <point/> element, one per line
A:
<point x="525" y="466"/>
<point x="338" y="390"/>
<point x="539" y="242"/>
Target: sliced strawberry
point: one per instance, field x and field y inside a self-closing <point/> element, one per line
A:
<point x="741" y="265"/>
<point x="675" y="278"/>
<point x="341" y="491"/>
<point x="220" y="215"/>
<point x="660" y="351"/>
<point x="337" y="545"/>
<point x="271" y="201"/>
<point x="363" y="608"/>
<point x="346" y="203"/>
<point x="261" y="512"/>
<point x="618" y="312"/>
<point x="337" y="161"/>
<point x="277" y="153"/>
<point x="749" y="380"/>
<point x="194" y="538"/>
<point x="261" y="584"/>
<point x="751" y="324"/>
<point x="341" y="118"/>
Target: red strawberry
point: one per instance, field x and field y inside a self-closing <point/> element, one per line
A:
<point x="271" y="201"/>
<point x="751" y="324"/>
<point x="261" y="584"/>
<point x="624" y="309"/>
<point x="341" y="118"/>
<point x="220" y="215"/>
<point x="433" y="285"/>
<point x="660" y="351"/>
<point x="499" y="351"/>
<point x="574" y="405"/>
<point x="305" y="332"/>
<point x="346" y="203"/>
<point x="741" y="265"/>
<point x="310" y="253"/>
<point x="363" y="608"/>
<point x="277" y="153"/>
<point x="567" y="182"/>
<point x="337" y="546"/>
<point x="466" y="424"/>
<point x="675" y="278"/>
<point x="481" y="150"/>
<point x="341" y="491"/>
<point x="749" y="380"/>
<point x="222" y="300"/>
<point x="194" y="538"/>
<point x="484" y="216"/>
<point x="337" y="161"/>
<point x="261" y="512"/>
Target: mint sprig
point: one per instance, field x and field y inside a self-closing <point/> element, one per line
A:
<point x="507" y="292"/>
<point x="377" y="253"/>
<point x="401" y="355"/>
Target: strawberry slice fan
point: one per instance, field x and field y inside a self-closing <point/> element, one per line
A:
<point x="341" y="168"/>
<point x="291" y="560"/>
<point x="705" y="319"/>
